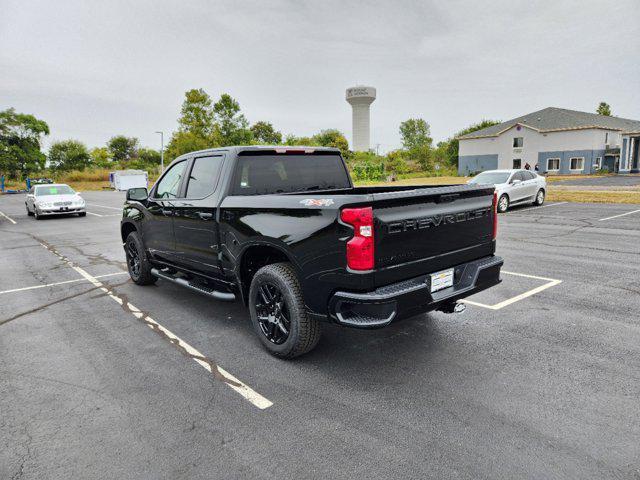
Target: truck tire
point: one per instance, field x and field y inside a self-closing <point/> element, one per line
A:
<point x="278" y="313"/>
<point x="137" y="261"/>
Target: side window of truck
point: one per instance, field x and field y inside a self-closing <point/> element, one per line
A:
<point x="204" y="176"/>
<point x="169" y="186"/>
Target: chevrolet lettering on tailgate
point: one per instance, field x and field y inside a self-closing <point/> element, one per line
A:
<point x="436" y="220"/>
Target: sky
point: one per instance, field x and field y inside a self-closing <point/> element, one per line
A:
<point x="93" y="69"/>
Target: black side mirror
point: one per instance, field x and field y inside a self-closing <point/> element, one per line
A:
<point x="137" y="194"/>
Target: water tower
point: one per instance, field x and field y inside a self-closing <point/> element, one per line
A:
<point x="360" y="97"/>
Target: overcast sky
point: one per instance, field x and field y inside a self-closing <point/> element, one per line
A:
<point x="94" y="69"/>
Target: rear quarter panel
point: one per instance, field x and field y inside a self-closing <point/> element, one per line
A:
<point x="309" y="233"/>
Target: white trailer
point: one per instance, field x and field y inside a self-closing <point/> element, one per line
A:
<point x="125" y="179"/>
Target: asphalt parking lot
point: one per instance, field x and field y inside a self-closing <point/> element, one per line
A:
<point x="604" y="181"/>
<point x="539" y="378"/>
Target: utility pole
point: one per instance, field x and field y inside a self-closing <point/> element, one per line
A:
<point x="161" y="152"/>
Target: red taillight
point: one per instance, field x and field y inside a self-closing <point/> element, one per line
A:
<point x="360" y="249"/>
<point x="495" y="214"/>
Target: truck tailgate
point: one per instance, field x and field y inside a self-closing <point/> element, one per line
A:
<point x="429" y="229"/>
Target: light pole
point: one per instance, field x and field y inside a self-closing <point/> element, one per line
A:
<point x="161" y="151"/>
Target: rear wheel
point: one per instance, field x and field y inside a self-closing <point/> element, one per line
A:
<point x="539" y="197"/>
<point x="137" y="262"/>
<point x="278" y="313"/>
<point x="503" y="203"/>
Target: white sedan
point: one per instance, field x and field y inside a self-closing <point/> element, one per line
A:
<point x="514" y="186"/>
<point x="54" y="199"/>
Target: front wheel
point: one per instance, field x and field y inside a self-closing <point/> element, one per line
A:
<point x="503" y="203"/>
<point x="29" y="212"/>
<point x="278" y="313"/>
<point x="539" y="198"/>
<point x="137" y="262"/>
<point x="82" y="214"/>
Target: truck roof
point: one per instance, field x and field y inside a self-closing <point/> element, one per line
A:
<point x="244" y="148"/>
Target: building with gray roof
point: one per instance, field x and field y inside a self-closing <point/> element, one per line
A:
<point x="556" y="140"/>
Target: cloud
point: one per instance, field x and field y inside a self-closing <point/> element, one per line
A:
<point x="96" y="69"/>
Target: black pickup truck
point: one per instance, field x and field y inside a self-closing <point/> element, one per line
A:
<point x="284" y="230"/>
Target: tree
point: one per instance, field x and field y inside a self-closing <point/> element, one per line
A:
<point x="123" y="149"/>
<point x="232" y="125"/>
<point x="100" y="157"/>
<point x="333" y="138"/>
<point x="20" y="136"/>
<point x="604" y="109"/>
<point x="395" y="162"/>
<point x="196" y="114"/>
<point x="415" y="133"/>
<point x="453" y="145"/>
<point x="185" y="142"/>
<point x="149" y="156"/>
<point x="69" y="155"/>
<point x="263" y="132"/>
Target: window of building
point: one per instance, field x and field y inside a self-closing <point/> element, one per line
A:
<point x="606" y="138"/>
<point x="576" y="163"/>
<point x="597" y="163"/>
<point x="553" y="164"/>
<point x="517" y="163"/>
<point x="203" y="176"/>
<point x="518" y="142"/>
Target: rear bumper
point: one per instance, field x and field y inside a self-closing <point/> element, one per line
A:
<point x="404" y="299"/>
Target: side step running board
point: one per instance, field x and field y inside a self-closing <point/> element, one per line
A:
<point x="226" y="296"/>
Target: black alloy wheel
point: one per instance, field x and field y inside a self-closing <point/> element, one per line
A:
<point x="273" y="313"/>
<point x="133" y="259"/>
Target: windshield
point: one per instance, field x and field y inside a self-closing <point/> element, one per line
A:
<point x="490" y="178"/>
<point x="54" y="190"/>
<point x="266" y="174"/>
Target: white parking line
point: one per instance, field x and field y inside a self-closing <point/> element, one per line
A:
<point x="232" y="382"/>
<point x="105" y="206"/>
<point x="95" y="214"/>
<point x="551" y="204"/>
<point x="35" y="287"/>
<point x="616" y="216"/>
<point x="551" y="282"/>
<point x="516" y="212"/>
<point x="8" y="218"/>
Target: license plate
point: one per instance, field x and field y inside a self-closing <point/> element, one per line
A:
<point x="440" y="280"/>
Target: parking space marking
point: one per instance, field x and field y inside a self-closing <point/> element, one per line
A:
<point x="105" y="206"/>
<point x="35" y="287"/>
<point x="95" y="214"/>
<point x="218" y="372"/>
<point x="551" y="282"/>
<point x="8" y="218"/>
<point x="551" y="204"/>
<point x="621" y="215"/>
<point x="516" y="212"/>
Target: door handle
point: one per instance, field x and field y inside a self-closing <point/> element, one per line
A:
<point x="205" y="215"/>
<point x="167" y="212"/>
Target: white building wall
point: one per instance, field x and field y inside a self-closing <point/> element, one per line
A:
<point x="535" y="142"/>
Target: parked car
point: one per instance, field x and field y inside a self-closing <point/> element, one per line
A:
<point x="54" y="199"/>
<point x="284" y="230"/>
<point x="514" y="187"/>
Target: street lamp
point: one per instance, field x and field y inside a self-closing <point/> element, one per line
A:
<point x="161" y="151"/>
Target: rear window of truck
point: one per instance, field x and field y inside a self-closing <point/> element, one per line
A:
<point x="285" y="173"/>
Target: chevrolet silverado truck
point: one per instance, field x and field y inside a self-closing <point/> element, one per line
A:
<point x="284" y="230"/>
